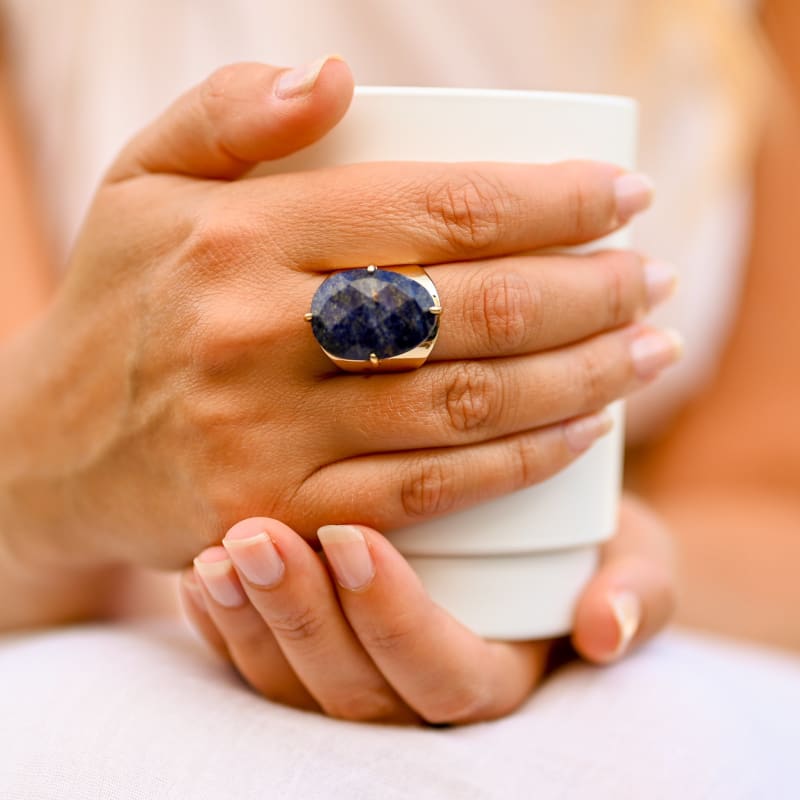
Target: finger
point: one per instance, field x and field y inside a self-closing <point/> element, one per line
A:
<point x="248" y="639"/>
<point x="525" y="304"/>
<point x="461" y="402"/>
<point x="442" y="670"/>
<point x="397" y="489"/>
<point x="290" y="588"/>
<point x="632" y="596"/>
<point x="194" y="606"/>
<point x="240" y="115"/>
<point x="408" y="213"/>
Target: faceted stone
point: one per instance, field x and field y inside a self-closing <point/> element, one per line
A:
<point x="357" y="312"/>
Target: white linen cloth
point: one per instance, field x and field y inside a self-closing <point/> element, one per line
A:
<point x="147" y="713"/>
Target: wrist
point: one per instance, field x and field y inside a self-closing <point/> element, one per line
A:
<point x="39" y="529"/>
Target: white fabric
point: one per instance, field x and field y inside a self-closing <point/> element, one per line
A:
<point x="125" y="713"/>
<point x="92" y="72"/>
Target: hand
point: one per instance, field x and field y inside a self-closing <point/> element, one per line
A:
<point x="371" y="645"/>
<point x="175" y="387"/>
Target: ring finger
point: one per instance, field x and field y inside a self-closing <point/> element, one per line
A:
<point x="460" y="402"/>
<point x="524" y="304"/>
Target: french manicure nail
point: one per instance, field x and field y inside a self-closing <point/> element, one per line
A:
<point x="215" y="570"/>
<point x="348" y="554"/>
<point x="299" y="82"/>
<point x="255" y="557"/>
<point x="627" y="611"/>
<point x="654" y="350"/>
<point x="582" y="433"/>
<point x="193" y="591"/>
<point x="661" y="279"/>
<point x="634" y="193"/>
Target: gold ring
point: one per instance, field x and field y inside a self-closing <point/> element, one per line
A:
<point x="376" y="320"/>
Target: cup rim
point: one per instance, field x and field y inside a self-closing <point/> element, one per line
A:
<point x="443" y="92"/>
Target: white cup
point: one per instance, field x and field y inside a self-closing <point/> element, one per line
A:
<point x="513" y="567"/>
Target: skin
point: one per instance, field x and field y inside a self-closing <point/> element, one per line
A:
<point x="155" y="396"/>
<point x="400" y="658"/>
<point x="707" y="521"/>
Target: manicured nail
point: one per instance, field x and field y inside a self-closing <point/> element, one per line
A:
<point x="348" y="554"/>
<point x="627" y="611"/>
<point x="661" y="279"/>
<point x="215" y="570"/>
<point x="299" y="82"/>
<point x="582" y="433"/>
<point x="653" y="350"/>
<point x="255" y="557"/>
<point x="634" y="193"/>
<point x="193" y="591"/>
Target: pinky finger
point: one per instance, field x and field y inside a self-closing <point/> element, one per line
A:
<point x="194" y="606"/>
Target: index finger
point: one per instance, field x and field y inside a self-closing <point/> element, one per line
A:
<point x="423" y="213"/>
<point x="444" y="671"/>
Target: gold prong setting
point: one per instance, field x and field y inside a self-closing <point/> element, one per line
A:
<point x="388" y="362"/>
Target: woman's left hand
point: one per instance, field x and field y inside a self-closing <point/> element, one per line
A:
<point x="372" y="646"/>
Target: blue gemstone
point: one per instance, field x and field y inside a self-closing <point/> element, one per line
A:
<point x="357" y="313"/>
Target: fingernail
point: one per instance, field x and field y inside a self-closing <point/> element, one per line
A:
<point x="581" y="433"/>
<point x="634" y="193"/>
<point x="299" y="82"/>
<point x="661" y="279"/>
<point x="215" y="570"/>
<point x="348" y="555"/>
<point x="193" y="591"/>
<point x="255" y="557"/>
<point x="627" y="611"/>
<point x="654" y="350"/>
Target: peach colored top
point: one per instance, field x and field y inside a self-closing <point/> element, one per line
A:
<point x="92" y="72"/>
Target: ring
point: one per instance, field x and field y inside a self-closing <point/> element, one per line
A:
<point x="376" y="320"/>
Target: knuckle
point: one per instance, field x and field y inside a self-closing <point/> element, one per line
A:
<point x="458" y="702"/>
<point x="468" y="212"/>
<point x="298" y="625"/>
<point x="588" y="209"/>
<point x="621" y="300"/>
<point x="428" y="488"/>
<point x="390" y="636"/>
<point x="593" y="378"/>
<point x="216" y="90"/>
<point x="501" y="311"/>
<point x="362" y="705"/>
<point x="526" y="461"/>
<point x="473" y="395"/>
<point x="217" y="240"/>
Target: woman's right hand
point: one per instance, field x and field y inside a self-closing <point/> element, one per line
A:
<point x="174" y="386"/>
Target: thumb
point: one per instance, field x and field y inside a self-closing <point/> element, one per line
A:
<point x="240" y="115"/>
<point x="632" y="596"/>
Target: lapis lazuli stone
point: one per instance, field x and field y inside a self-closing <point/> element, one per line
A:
<point x="357" y="312"/>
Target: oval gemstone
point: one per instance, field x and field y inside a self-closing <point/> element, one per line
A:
<point x="356" y="313"/>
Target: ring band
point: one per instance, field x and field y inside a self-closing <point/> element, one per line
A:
<point x="376" y="320"/>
